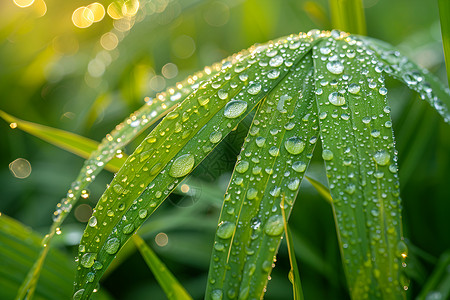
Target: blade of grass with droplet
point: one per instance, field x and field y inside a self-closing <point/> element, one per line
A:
<point x="444" y="14"/>
<point x="348" y="15"/>
<point x="110" y="147"/>
<point x="69" y="141"/>
<point x="272" y="162"/>
<point x="398" y="66"/>
<point x="176" y="146"/>
<point x="294" y="275"/>
<point x="360" y="158"/>
<point x="172" y="288"/>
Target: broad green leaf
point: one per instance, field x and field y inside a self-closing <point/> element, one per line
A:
<point x="348" y="15"/>
<point x="444" y="14"/>
<point x="398" y="66"/>
<point x="69" y="141"/>
<point x="172" y="288"/>
<point x="109" y="148"/>
<point x="176" y="146"/>
<point x="272" y="162"/>
<point x="360" y="158"/>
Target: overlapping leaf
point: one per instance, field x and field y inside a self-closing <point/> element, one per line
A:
<point x="176" y="146"/>
<point x="358" y="148"/>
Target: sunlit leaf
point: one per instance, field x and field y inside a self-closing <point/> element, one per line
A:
<point x="172" y="288"/>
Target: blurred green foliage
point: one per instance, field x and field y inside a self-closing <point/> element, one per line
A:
<point x="58" y="75"/>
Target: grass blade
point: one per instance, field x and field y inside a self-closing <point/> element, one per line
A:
<point x="444" y="14"/>
<point x="360" y="158"/>
<point x="348" y="15"/>
<point x="110" y="147"/>
<point x="199" y="123"/>
<point x="69" y="141"/>
<point x="438" y="284"/>
<point x="281" y="140"/>
<point x="398" y="66"/>
<point x="321" y="189"/>
<point x="173" y="289"/>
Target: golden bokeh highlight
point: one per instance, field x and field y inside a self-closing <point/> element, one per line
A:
<point x="130" y="8"/>
<point x="97" y="10"/>
<point x="115" y="11"/>
<point x="184" y="188"/>
<point x="83" y="17"/>
<point x="20" y="168"/>
<point x="161" y="239"/>
<point x="23" y="3"/>
<point x="40" y="7"/>
<point x="13" y="125"/>
<point x="109" y="41"/>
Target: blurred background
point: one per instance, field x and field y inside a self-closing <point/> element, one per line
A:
<point x="83" y="67"/>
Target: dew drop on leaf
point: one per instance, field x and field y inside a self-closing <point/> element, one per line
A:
<point x="327" y="154"/>
<point x="381" y="157"/>
<point x="260" y="141"/>
<point x="294" y="145"/>
<point x="336" y="99"/>
<point x="127" y="229"/>
<point x="273" y="74"/>
<point x="215" y="137"/>
<point x="78" y="294"/>
<point x="88" y="259"/>
<point x="299" y="166"/>
<point x="216" y="294"/>
<point x="142" y="213"/>
<point x="276" y="61"/>
<point x="182" y="165"/>
<point x="274" y="225"/>
<point x="252" y="193"/>
<point x="254" y="89"/>
<point x="235" y="108"/>
<point x="92" y="221"/>
<point x="112" y="246"/>
<point x="225" y="230"/>
<point x="335" y="67"/>
<point x="354" y="88"/>
<point x="242" y="166"/>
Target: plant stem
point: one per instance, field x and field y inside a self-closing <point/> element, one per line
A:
<point x="348" y="15"/>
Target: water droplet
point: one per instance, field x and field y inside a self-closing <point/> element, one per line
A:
<point x="381" y="157"/>
<point x="325" y="50"/>
<point x="92" y="221"/>
<point x="260" y="141"/>
<point x="216" y="294"/>
<point x="252" y="193"/>
<point x="293" y="184"/>
<point x="383" y="91"/>
<point x="275" y="191"/>
<point x="276" y="61"/>
<point x="222" y="94"/>
<point x="142" y="213"/>
<point x="299" y="166"/>
<point x="402" y="249"/>
<point x="350" y="188"/>
<point x="336" y="99"/>
<point x="354" y="88"/>
<point x="235" y="108"/>
<point x="88" y="259"/>
<point x="274" y="225"/>
<point x="215" y="137"/>
<point x="112" y="246"/>
<point x="375" y="133"/>
<point x="273" y="74"/>
<point x="243" y="77"/>
<point x="78" y="294"/>
<point x="202" y="100"/>
<point x="327" y="154"/>
<point x="294" y="145"/>
<point x="335" y="67"/>
<point x="254" y="89"/>
<point x="225" y="230"/>
<point x="90" y="277"/>
<point x="242" y="166"/>
<point x="127" y="229"/>
<point x="182" y="165"/>
<point x="172" y="115"/>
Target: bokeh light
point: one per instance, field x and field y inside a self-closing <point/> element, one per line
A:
<point x="83" y="17"/>
<point x="109" y="41"/>
<point x="183" y="46"/>
<point x="23" y="3"/>
<point x="169" y="70"/>
<point x="217" y="14"/>
<point x="83" y="212"/>
<point x="114" y="10"/>
<point x="130" y="8"/>
<point x="161" y="239"/>
<point x="157" y="83"/>
<point x="20" y="168"/>
<point x="97" y="10"/>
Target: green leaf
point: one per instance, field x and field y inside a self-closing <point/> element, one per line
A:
<point x="358" y="149"/>
<point x="176" y="146"/>
<point x="395" y="64"/>
<point x="172" y="288"/>
<point x="272" y="162"/>
<point x="438" y="284"/>
<point x="348" y="15"/>
<point x="69" y="141"/>
<point x="110" y="147"/>
<point x="323" y="190"/>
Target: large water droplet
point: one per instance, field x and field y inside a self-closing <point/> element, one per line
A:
<point x="336" y="99"/>
<point x="354" y="88"/>
<point x="127" y="229"/>
<point x="235" y="108"/>
<point x="273" y="74"/>
<point x="299" y="166"/>
<point x="215" y="137"/>
<point x="254" y="89"/>
<point x="381" y="157"/>
<point x="216" y="294"/>
<point x="274" y="225"/>
<point x="225" y="230"/>
<point x="242" y="166"/>
<point x="260" y="141"/>
<point x="182" y="165"/>
<point x="294" y="145"/>
<point x="335" y="67"/>
<point x="327" y="154"/>
<point x="112" y="246"/>
<point x="88" y="259"/>
<point x="78" y="294"/>
<point x="92" y="221"/>
<point x="252" y="193"/>
<point x="276" y="61"/>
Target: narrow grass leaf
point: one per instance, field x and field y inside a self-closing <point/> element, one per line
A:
<point x="109" y="148"/>
<point x="438" y="284"/>
<point x="444" y="14"/>
<point x="175" y="147"/>
<point x="395" y="64"/>
<point x="321" y="189"/>
<point x="272" y="162"/>
<point x="360" y="158"/>
<point x="172" y="288"/>
<point x="348" y="15"/>
<point x="69" y="141"/>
